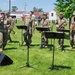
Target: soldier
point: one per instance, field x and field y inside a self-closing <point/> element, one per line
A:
<point x="61" y="23"/>
<point x="72" y="30"/>
<point x="30" y="23"/>
<point x="44" y="23"/>
<point x="11" y="25"/>
<point x="3" y="31"/>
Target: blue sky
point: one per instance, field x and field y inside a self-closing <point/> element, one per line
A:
<point x="47" y="5"/>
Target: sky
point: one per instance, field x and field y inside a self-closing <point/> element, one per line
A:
<point x="46" y="5"/>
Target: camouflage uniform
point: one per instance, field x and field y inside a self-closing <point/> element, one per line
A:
<point x="29" y="22"/>
<point x="62" y="22"/>
<point x="72" y="32"/>
<point x="44" y="23"/>
<point x="3" y="33"/>
<point x="10" y="27"/>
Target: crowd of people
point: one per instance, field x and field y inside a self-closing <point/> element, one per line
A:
<point x="7" y="24"/>
<point x="60" y="24"/>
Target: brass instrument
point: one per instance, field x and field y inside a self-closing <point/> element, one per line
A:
<point x="61" y="25"/>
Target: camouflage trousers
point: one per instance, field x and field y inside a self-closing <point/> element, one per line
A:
<point x="9" y="37"/>
<point x="27" y="37"/>
<point x="72" y="38"/>
<point x="44" y="40"/>
<point x="3" y="39"/>
<point x="61" y="41"/>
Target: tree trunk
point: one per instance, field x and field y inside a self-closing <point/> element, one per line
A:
<point x="69" y="22"/>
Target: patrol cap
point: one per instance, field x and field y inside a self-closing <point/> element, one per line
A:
<point x="61" y="13"/>
<point x="44" y="14"/>
<point x="74" y="13"/>
<point x="2" y="12"/>
<point x="7" y="13"/>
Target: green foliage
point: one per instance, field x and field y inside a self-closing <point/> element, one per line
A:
<point x="14" y="8"/>
<point x="66" y="6"/>
<point x="37" y="9"/>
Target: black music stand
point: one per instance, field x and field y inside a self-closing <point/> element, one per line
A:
<point x="41" y="29"/>
<point x="54" y="35"/>
<point x="63" y="30"/>
<point x="22" y="27"/>
<point x="25" y="27"/>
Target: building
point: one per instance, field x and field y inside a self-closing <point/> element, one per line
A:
<point x="52" y="15"/>
<point x="18" y="14"/>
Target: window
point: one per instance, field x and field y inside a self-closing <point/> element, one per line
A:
<point x="52" y="14"/>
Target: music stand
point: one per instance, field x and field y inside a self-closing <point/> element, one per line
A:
<point x="25" y="27"/>
<point x="63" y="30"/>
<point x="22" y="27"/>
<point x="41" y="29"/>
<point x="54" y="35"/>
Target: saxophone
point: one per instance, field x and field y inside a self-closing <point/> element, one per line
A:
<point x="61" y="25"/>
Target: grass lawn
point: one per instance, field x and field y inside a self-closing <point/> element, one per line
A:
<point x="40" y="59"/>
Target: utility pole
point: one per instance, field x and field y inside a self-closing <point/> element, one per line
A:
<point x="9" y="6"/>
<point x="25" y="7"/>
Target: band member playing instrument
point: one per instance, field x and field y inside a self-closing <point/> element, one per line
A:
<point x="45" y="22"/>
<point x="11" y="25"/>
<point x="72" y="30"/>
<point x="60" y="24"/>
<point x="30" y="23"/>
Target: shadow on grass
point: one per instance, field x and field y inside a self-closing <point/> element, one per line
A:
<point x="35" y="45"/>
<point x="66" y="46"/>
<point x="14" y="42"/>
<point x="13" y="48"/>
<point x="58" y="67"/>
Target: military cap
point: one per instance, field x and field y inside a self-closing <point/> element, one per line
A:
<point x="2" y="12"/>
<point x="61" y="13"/>
<point x="44" y="14"/>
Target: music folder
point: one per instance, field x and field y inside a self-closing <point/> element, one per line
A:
<point x="43" y="28"/>
<point x="55" y="35"/>
<point x="63" y="30"/>
<point x="22" y="27"/>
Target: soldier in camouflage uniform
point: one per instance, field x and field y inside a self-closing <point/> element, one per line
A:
<point x="61" y="23"/>
<point x="45" y="22"/>
<point x="72" y="30"/>
<point x="30" y="23"/>
<point x="10" y="23"/>
<point x="3" y="31"/>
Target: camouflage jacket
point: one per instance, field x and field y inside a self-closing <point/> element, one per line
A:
<point x="45" y="23"/>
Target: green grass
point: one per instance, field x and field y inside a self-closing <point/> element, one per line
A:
<point x="40" y="59"/>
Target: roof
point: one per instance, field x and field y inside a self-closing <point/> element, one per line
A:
<point x="18" y="12"/>
<point x="54" y="10"/>
<point x="23" y="12"/>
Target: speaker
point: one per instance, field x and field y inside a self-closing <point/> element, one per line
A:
<point x="5" y="60"/>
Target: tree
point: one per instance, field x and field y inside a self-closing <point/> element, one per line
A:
<point x="37" y="9"/>
<point x="67" y="7"/>
<point x="14" y="8"/>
